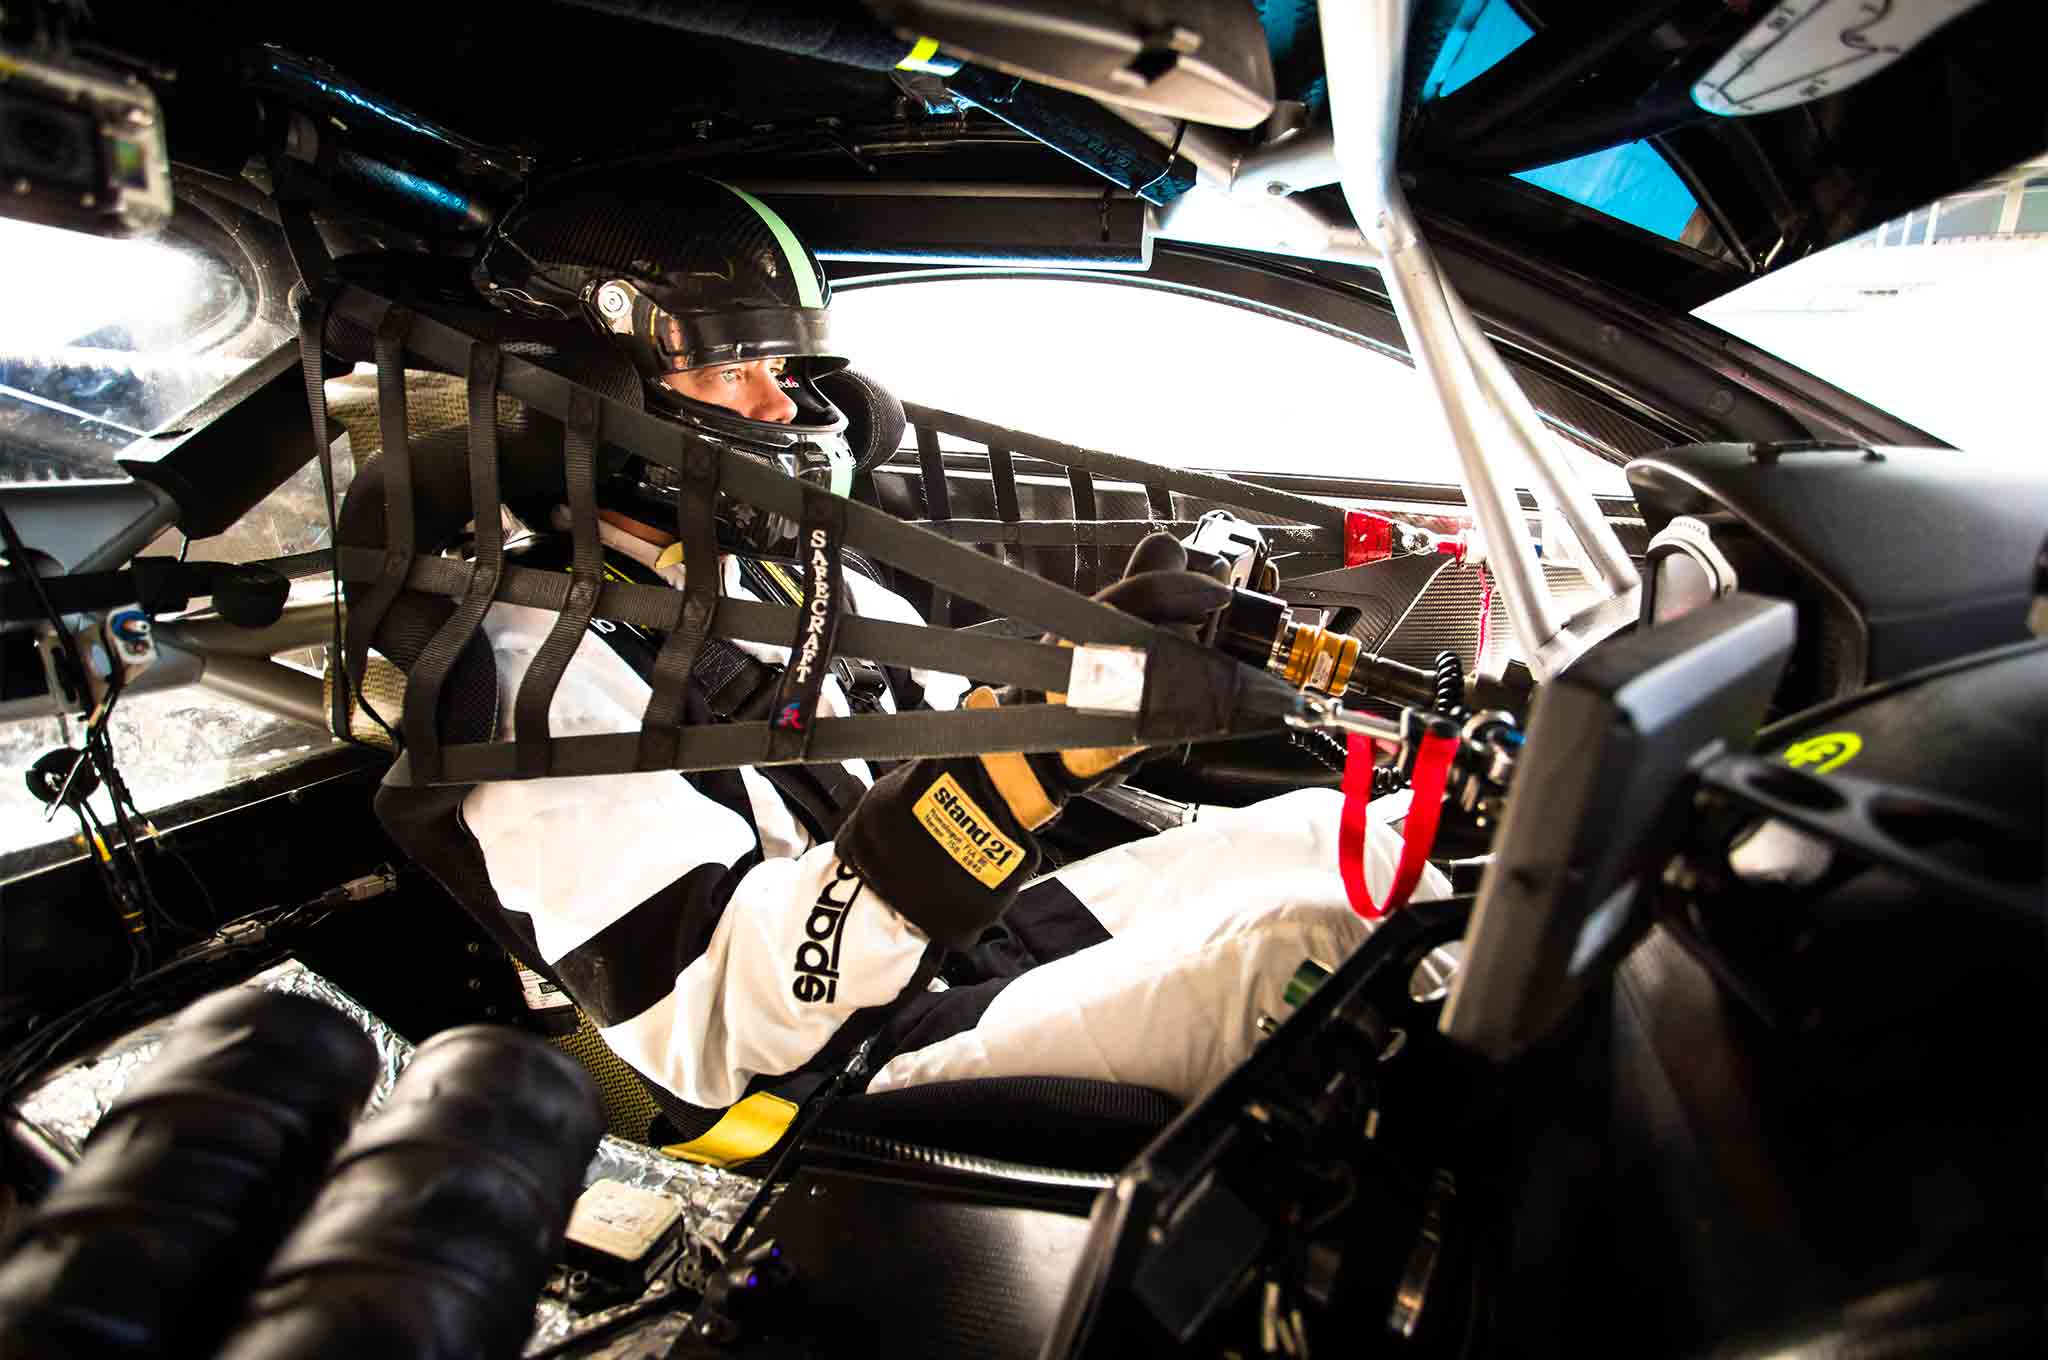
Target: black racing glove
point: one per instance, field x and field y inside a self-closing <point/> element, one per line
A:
<point x="947" y="841"/>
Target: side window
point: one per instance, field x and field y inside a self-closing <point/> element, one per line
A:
<point x="1166" y="376"/>
<point x="102" y="341"/>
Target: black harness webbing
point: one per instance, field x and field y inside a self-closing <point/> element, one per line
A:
<point x="313" y="363"/>
<point x="390" y="327"/>
<point x="1087" y="557"/>
<point x="820" y="535"/>
<point x="937" y="506"/>
<point x="696" y="515"/>
<point x="1121" y="533"/>
<point x="1003" y="474"/>
<point x="586" y="576"/>
<point x="1213" y="486"/>
<point x="1191" y="692"/>
<point x="430" y="672"/>
<point x="1017" y="661"/>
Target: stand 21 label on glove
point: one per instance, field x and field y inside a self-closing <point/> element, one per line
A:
<point x="967" y="833"/>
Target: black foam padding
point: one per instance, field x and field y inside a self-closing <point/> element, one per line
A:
<point x="186" y="1185"/>
<point x="874" y="417"/>
<point x="250" y="596"/>
<point x="438" y="1224"/>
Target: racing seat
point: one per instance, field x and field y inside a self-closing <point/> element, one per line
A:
<point x="1068" y="1122"/>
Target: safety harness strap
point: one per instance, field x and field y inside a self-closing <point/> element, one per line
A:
<point x="820" y="536"/>
<point x="696" y="531"/>
<point x="364" y="619"/>
<point x="544" y="673"/>
<point x="437" y="659"/>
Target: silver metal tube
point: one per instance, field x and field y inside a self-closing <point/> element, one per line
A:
<point x="1330" y="713"/>
<point x="1210" y="216"/>
<point x="1303" y="160"/>
<point x="1142" y="808"/>
<point x="1211" y="154"/>
<point x="1612" y="569"/>
<point x="301" y="625"/>
<point x="264" y="684"/>
<point x="1363" y="50"/>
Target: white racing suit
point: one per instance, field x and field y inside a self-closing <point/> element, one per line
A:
<point x="717" y="948"/>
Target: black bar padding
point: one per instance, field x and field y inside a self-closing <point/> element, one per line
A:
<point x="443" y="1213"/>
<point x="148" y="1245"/>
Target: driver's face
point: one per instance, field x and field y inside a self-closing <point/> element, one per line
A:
<point x="753" y="390"/>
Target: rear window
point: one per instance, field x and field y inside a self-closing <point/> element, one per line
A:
<point x="1633" y="183"/>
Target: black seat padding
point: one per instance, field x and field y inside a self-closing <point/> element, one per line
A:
<point x="1069" y="1122"/>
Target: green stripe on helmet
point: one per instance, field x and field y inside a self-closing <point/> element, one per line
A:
<point x="799" y="261"/>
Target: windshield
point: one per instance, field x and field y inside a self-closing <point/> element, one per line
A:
<point x="1174" y="378"/>
<point x="103" y="341"/>
<point x="1934" y="316"/>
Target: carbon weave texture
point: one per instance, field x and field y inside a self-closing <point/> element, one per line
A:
<point x="696" y="242"/>
<point x="628" y="1106"/>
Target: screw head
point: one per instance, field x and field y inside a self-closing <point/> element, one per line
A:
<point x="612" y="300"/>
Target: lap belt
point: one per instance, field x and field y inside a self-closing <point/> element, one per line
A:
<point x="1190" y="692"/>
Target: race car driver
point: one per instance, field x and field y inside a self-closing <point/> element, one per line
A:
<point x="725" y="936"/>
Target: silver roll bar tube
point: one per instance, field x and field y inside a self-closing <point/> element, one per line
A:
<point x="1247" y="201"/>
<point x="1364" y="56"/>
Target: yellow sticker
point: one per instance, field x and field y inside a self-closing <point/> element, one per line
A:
<point x="967" y="833"/>
<point x="1828" y="751"/>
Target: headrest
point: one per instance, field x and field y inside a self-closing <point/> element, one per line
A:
<point x="874" y="418"/>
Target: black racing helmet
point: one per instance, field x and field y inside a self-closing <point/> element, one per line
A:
<point x="690" y="273"/>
